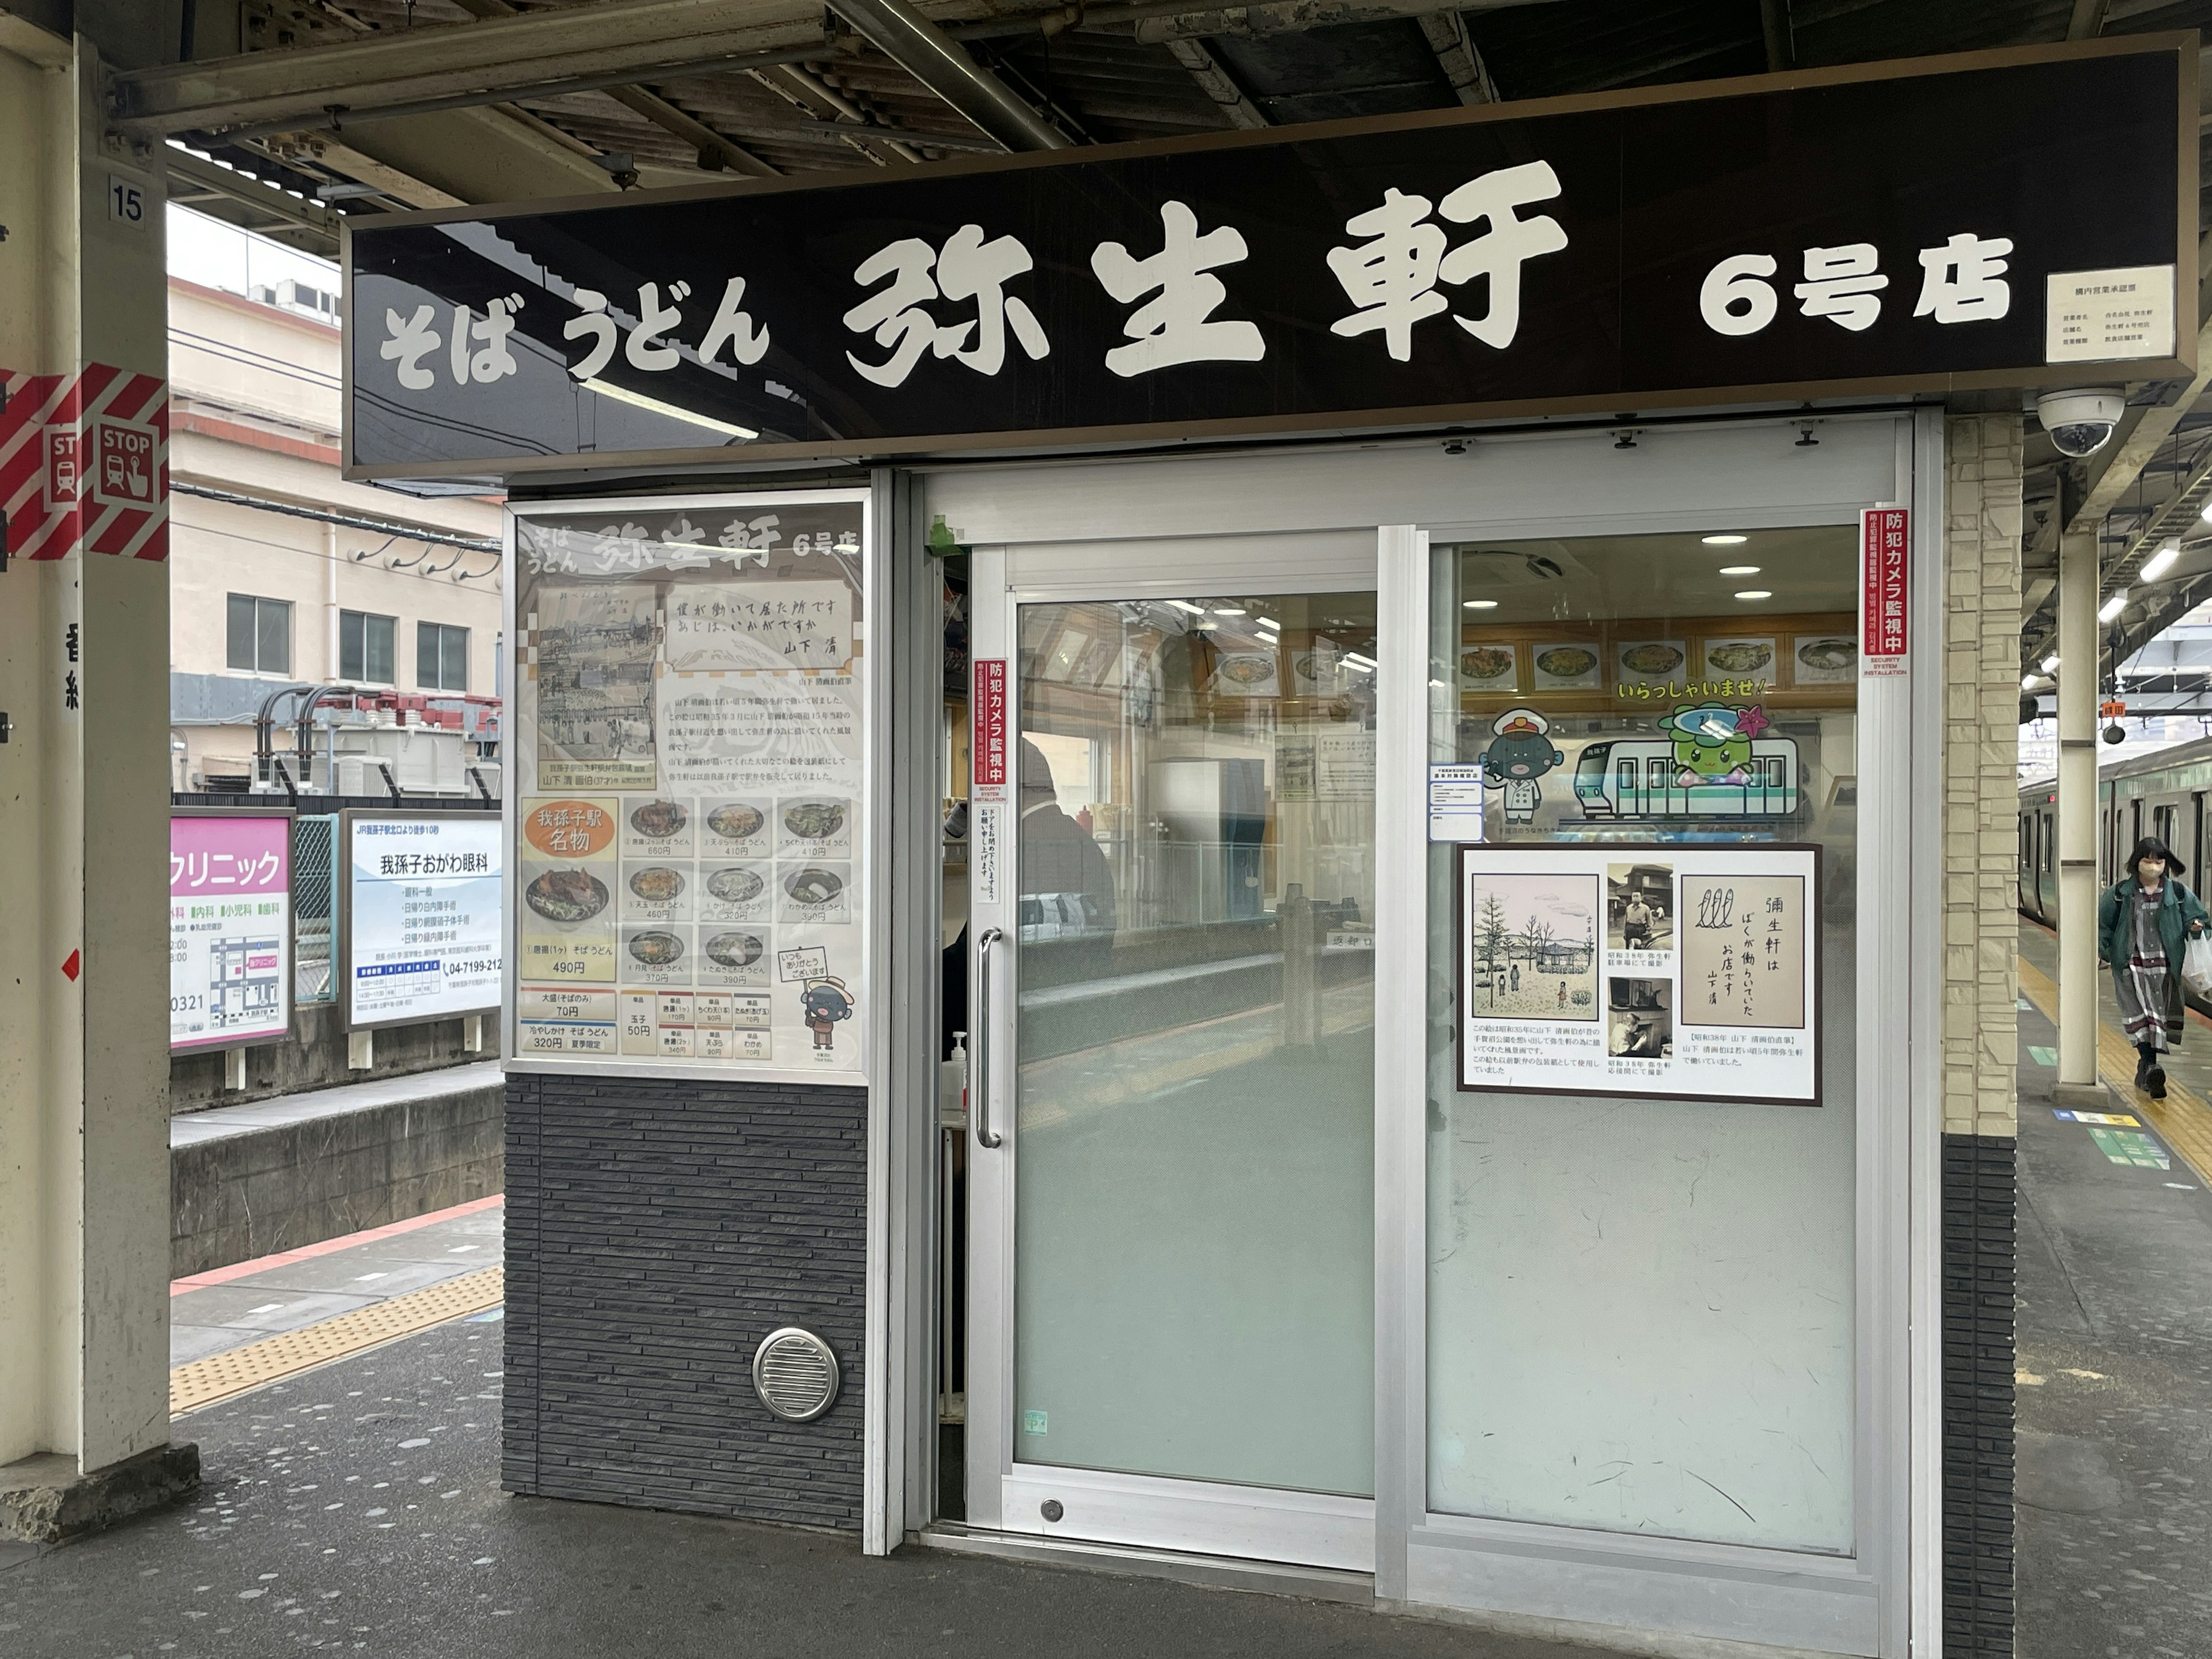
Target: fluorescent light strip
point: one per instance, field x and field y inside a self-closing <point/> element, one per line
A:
<point x="639" y="400"/>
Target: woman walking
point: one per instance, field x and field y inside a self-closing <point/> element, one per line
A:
<point x="2143" y="924"/>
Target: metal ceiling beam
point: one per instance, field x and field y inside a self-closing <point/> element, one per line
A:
<point x="503" y="54"/>
<point x="726" y="151"/>
<point x="338" y="118"/>
<point x="941" y="64"/>
<point x="846" y="110"/>
<point x="1456" y="55"/>
<point x="1157" y="23"/>
<point x="1218" y="84"/>
<point x="201" y="174"/>
<point x="593" y="47"/>
<point x="715" y="152"/>
<point x="1780" y="32"/>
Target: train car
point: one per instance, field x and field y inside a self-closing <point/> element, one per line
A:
<point x="1641" y="778"/>
<point x="2162" y="793"/>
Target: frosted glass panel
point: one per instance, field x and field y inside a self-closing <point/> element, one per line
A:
<point x="1641" y="1309"/>
<point x="1195" y="1013"/>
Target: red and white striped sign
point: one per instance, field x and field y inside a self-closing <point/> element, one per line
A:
<point x="84" y="461"/>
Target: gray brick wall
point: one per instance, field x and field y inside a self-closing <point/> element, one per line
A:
<point x="656" y="1231"/>
<point x="1979" y="1296"/>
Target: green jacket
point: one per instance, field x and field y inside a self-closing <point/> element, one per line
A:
<point x="2177" y="909"/>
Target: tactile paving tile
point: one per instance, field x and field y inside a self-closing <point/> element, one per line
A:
<point x="220" y="1375"/>
<point x="2184" y="1120"/>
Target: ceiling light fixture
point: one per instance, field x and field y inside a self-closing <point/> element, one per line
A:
<point x="1185" y="605"/>
<point x="2051" y="664"/>
<point x="1228" y="611"/>
<point x="1739" y="570"/>
<point x="2161" y="562"/>
<point x="1723" y="541"/>
<point x="2113" y="607"/>
<point x="1756" y="593"/>
<point x="2027" y="681"/>
<point x="1482" y="605"/>
<point x="1266" y="622"/>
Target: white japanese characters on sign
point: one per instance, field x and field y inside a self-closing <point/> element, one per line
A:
<point x="1961" y="282"/>
<point x="1393" y="276"/>
<point x="1172" y="328"/>
<point x="968" y="269"/>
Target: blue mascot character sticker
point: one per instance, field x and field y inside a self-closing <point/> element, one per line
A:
<point x="1712" y="740"/>
<point x="825" y="1002"/>
<point x="1520" y="753"/>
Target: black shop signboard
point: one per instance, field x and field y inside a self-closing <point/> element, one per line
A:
<point x="1945" y="222"/>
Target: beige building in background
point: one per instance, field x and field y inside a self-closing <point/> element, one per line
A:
<point x="263" y="596"/>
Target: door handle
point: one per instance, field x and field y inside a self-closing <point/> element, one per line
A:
<point x="979" y="1111"/>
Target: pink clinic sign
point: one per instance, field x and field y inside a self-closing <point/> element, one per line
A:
<point x="230" y="931"/>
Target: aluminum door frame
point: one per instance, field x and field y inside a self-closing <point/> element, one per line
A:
<point x="1005" y="1495"/>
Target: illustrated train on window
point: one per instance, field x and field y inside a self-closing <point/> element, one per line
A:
<point x="1712" y="760"/>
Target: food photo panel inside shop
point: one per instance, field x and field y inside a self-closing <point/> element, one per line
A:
<point x="691" y="718"/>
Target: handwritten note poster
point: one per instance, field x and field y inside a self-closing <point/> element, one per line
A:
<point x="1679" y="970"/>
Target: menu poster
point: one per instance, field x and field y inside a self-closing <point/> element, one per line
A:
<point x="1672" y="970"/>
<point x="693" y="840"/>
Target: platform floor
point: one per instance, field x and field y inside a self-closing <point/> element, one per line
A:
<point x="2115" y="1360"/>
<point x="356" y="1508"/>
<point x="229" y="1308"/>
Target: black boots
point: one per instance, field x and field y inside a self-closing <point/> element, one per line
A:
<point x="2150" y="1076"/>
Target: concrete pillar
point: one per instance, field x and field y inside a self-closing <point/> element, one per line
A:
<point x="84" y="779"/>
<point x="2077" y="814"/>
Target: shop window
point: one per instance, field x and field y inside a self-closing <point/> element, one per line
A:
<point x="1643" y="1139"/>
<point x="442" y="657"/>
<point x="366" y="648"/>
<point x="259" y="634"/>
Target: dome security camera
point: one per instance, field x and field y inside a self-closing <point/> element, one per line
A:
<point x="2080" y="420"/>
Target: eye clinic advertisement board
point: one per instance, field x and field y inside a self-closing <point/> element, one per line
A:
<point x="230" y="929"/>
<point x="690" y="867"/>
<point x="423" y="927"/>
<point x="1673" y="970"/>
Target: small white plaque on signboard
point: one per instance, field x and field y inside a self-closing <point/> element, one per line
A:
<point x="2097" y="316"/>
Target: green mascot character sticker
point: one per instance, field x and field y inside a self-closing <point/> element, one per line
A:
<point x="1712" y="740"/>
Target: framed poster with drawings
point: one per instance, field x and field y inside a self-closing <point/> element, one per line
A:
<point x="1671" y="970"/>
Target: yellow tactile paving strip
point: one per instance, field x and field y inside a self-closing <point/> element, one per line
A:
<point x="2182" y="1118"/>
<point x="220" y="1375"/>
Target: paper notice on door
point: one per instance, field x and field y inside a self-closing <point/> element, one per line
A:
<point x="983" y="854"/>
<point x="1454" y="803"/>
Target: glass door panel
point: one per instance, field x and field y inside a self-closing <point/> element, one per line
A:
<point x="1193" y="1039"/>
<point x="1641" y="1290"/>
